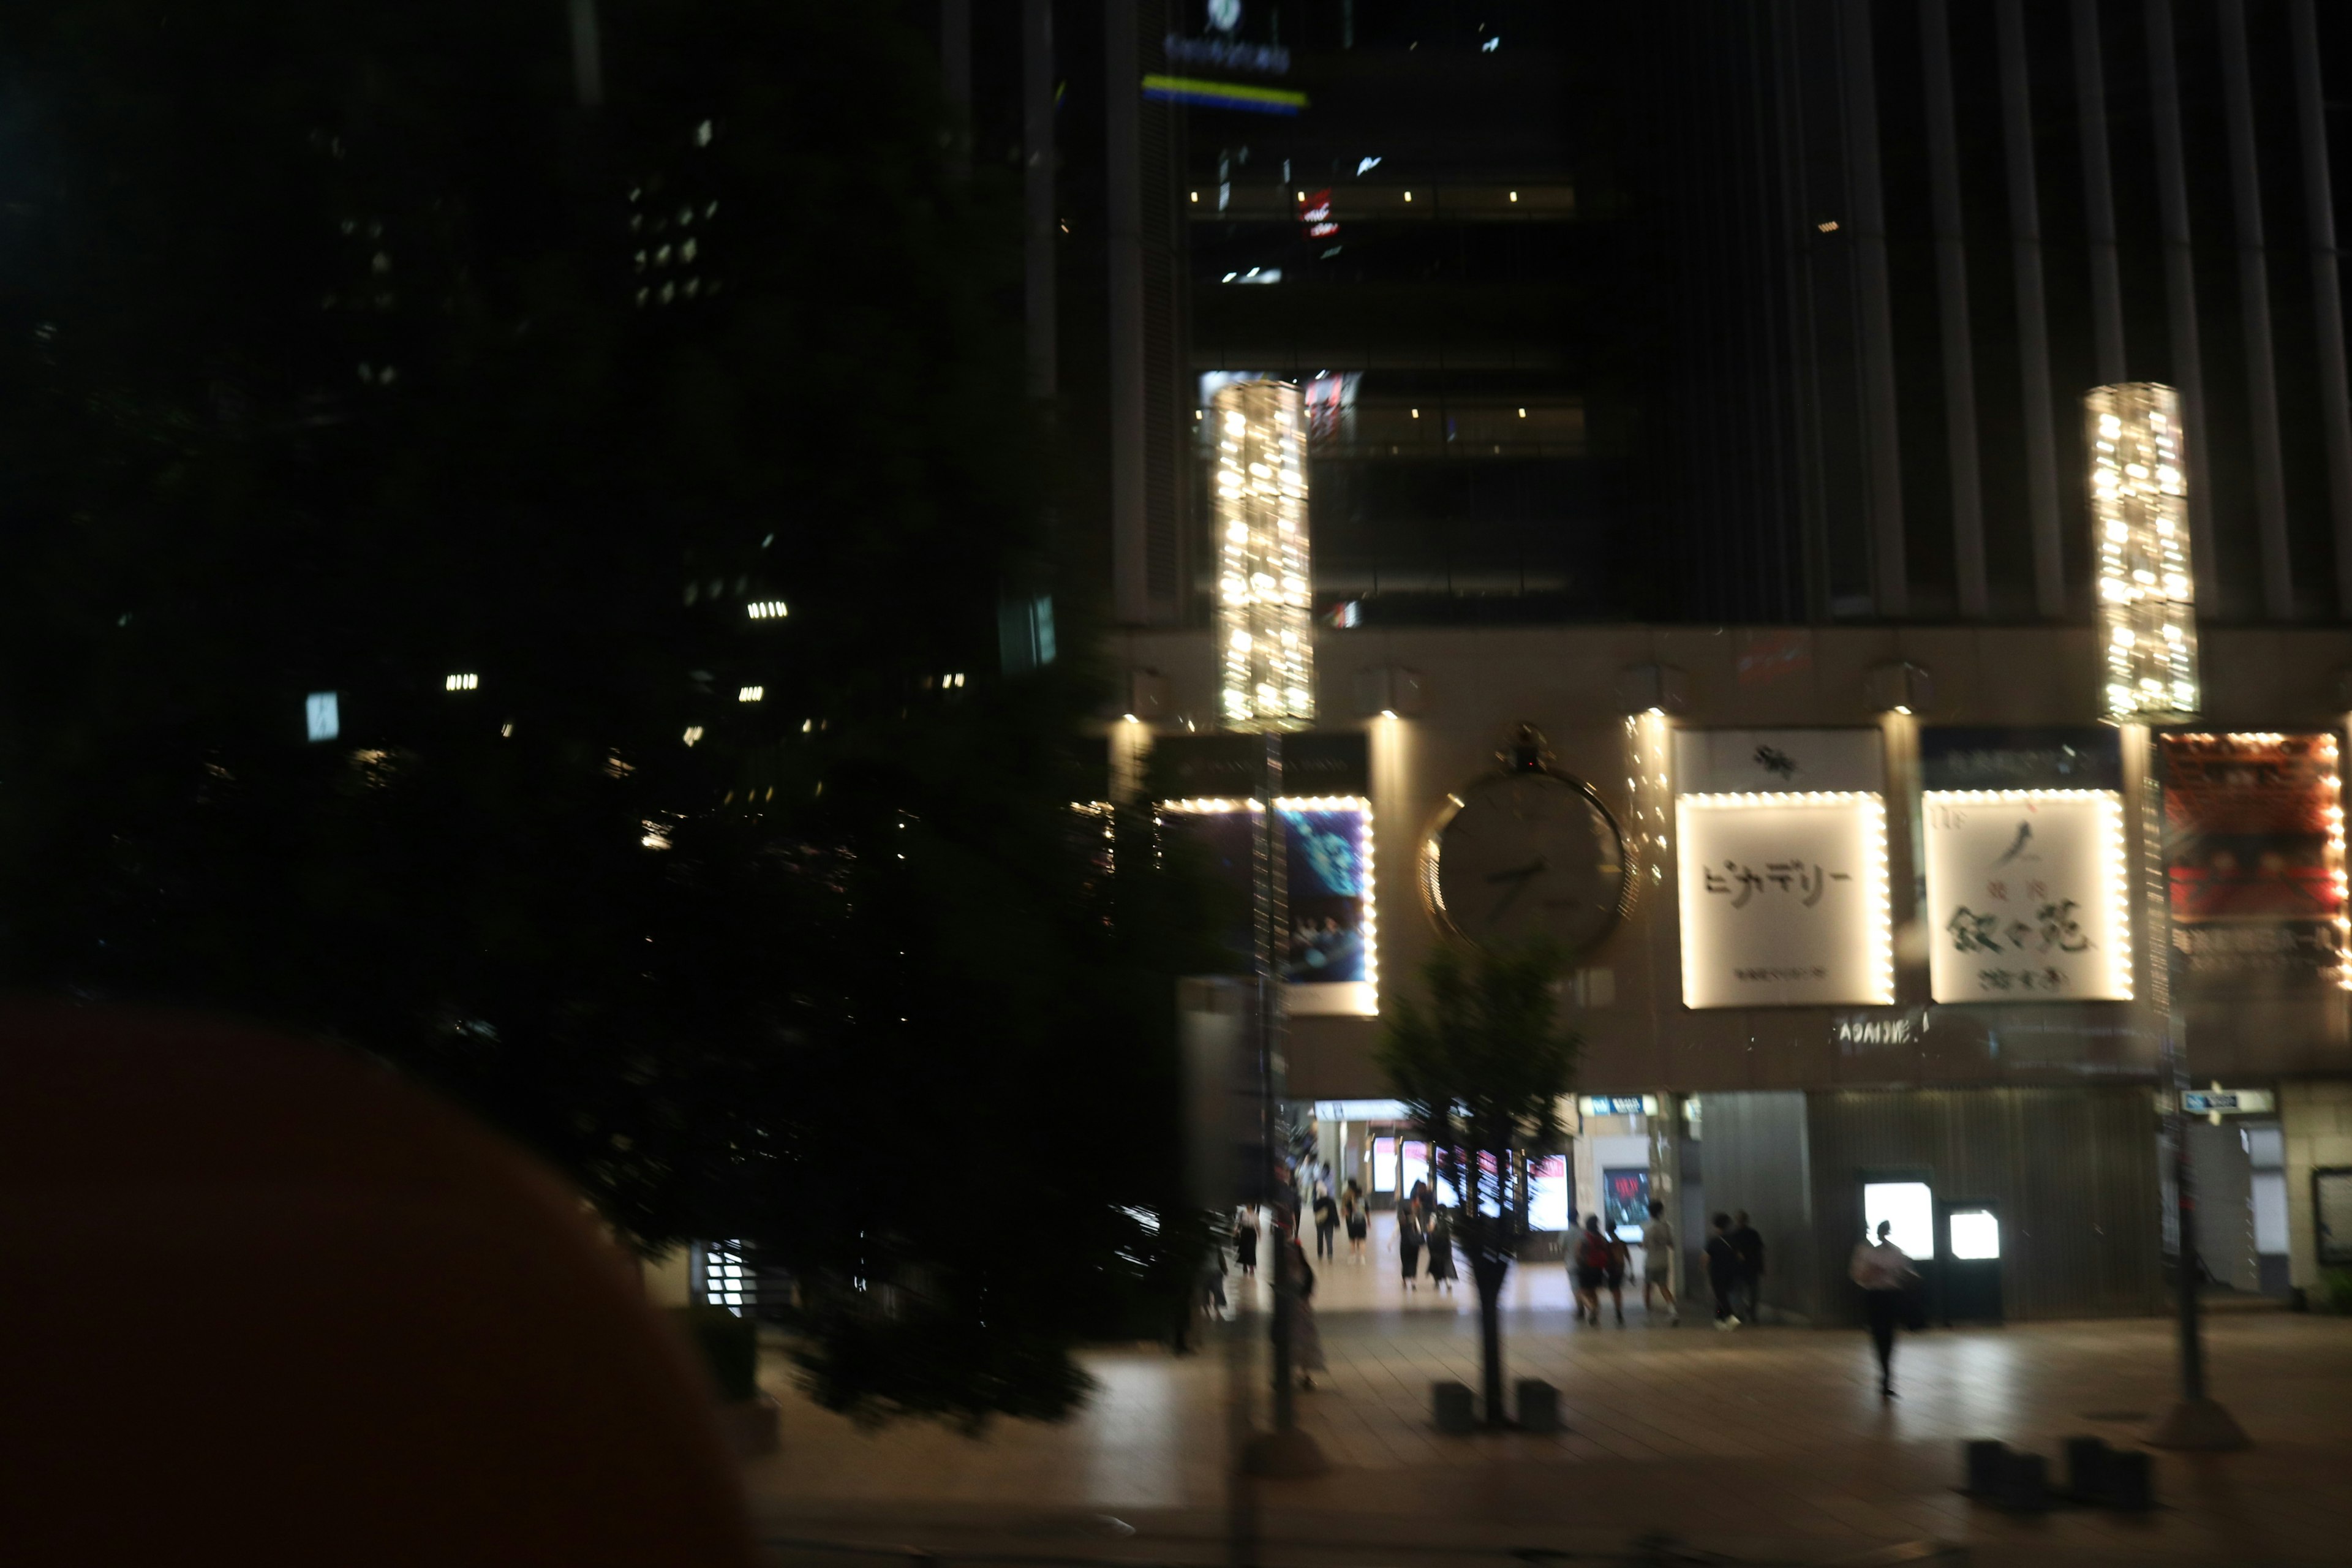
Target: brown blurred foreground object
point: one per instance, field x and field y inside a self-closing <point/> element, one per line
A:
<point x="262" y="1302"/>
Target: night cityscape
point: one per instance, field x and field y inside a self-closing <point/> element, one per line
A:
<point x="1143" y="783"/>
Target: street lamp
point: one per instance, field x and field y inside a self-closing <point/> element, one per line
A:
<point x="2148" y="638"/>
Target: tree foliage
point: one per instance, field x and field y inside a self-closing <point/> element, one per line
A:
<point x="344" y="351"/>
<point x="1481" y="1063"/>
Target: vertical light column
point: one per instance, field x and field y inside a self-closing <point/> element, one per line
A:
<point x="1265" y="635"/>
<point x="2139" y="515"/>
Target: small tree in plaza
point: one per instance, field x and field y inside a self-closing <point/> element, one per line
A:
<point x="1481" y="1064"/>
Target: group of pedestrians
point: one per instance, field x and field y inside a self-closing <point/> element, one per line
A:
<point x="1348" y="1209"/>
<point x="1597" y="1260"/>
<point x="1424" y="1227"/>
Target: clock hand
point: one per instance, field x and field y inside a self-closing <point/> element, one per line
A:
<point x="1518" y="887"/>
<point x="1534" y="868"/>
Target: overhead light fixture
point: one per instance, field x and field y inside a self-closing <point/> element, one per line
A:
<point x="460" y="683"/>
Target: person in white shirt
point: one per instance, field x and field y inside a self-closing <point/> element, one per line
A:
<point x="1883" y="1272"/>
<point x="1658" y="1262"/>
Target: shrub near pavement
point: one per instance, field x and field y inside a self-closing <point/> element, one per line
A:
<point x="729" y="1346"/>
<point x="2335" y="1287"/>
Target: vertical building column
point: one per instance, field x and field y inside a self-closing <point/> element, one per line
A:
<point x="1952" y="299"/>
<point x="2181" y="290"/>
<point x="1890" y="578"/>
<point x="955" y="78"/>
<point x="1123" y="177"/>
<point x="1037" y="192"/>
<point x="2099" y="196"/>
<point x="2327" y="291"/>
<point x="2254" y="302"/>
<point x="2033" y="315"/>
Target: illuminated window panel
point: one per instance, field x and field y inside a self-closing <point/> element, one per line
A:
<point x="1264" y="625"/>
<point x="2028" y="896"/>
<point x="1784" y="899"/>
<point x="2139" y="515"/>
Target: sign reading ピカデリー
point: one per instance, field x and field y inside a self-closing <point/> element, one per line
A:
<point x="1784" y="899"/>
<point x="2027" y="893"/>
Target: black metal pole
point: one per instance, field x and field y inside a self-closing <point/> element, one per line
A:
<point x="1272" y="916"/>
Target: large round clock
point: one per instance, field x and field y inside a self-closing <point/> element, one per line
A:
<point x="1527" y="853"/>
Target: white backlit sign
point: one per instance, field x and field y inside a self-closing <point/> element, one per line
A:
<point x="1975" y="1233"/>
<point x="1909" y="1207"/>
<point x="1784" y="899"/>
<point x="2027" y="896"/>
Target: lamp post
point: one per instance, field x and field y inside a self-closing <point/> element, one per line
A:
<point x="1266" y="652"/>
<point x="2148" y="634"/>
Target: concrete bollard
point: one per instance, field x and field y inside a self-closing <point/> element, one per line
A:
<point x="1452" y="1407"/>
<point x="2024" y="1484"/>
<point x="1985" y="1460"/>
<point x="2131" y="1479"/>
<point x="1539" y="1405"/>
<point x="2088" y="1469"/>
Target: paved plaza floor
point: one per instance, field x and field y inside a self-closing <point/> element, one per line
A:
<point x="1767" y="1444"/>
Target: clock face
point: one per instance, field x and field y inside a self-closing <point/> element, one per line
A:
<point x="1522" y="856"/>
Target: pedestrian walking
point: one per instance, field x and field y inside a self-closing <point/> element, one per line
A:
<point x="1409" y="1242"/>
<point x="1246" y="1240"/>
<point x="1620" y="1259"/>
<point x="1749" y="1246"/>
<point x="1297" y="1279"/>
<point x="1884" y="1273"/>
<point x="1327" y="1222"/>
<point x="1658" y="1262"/>
<point x="1212" y="1281"/>
<point x="1722" y="1271"/>
<point x="1353" y="1211"/>
<point x="1589" y="1264"/>
<point x="1441" y="1251"/>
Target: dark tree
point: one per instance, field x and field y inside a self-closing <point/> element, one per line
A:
<point x="1481" y="1066"/>
<point x="345" y="350"/>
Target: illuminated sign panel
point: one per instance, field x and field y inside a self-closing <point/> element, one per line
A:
<point x="1784" y="899"/>
<point x="2027" y="896"/>
<point x="2255" y="860"/>
<point x="1330" y="961"/>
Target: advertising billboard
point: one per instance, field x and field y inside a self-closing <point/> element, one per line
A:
<point x="1784" y="899"/>
<point x="1330" y="956"/>
<point x="2027" y="895"/>
<point x="2255" y="860"/>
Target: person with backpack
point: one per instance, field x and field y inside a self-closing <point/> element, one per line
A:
<point x="1352" y="1211"/>
<point x="1327" y="1223"/>
<point x="1590" y="1262"/>
<point x="1409" y="1241"/>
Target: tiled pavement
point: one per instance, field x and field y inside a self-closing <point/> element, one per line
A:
<point x="1766" y="1444"/>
